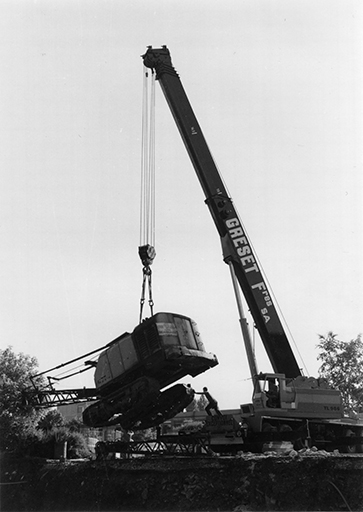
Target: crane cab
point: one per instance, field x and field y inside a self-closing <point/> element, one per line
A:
<point x="300" y="397"/>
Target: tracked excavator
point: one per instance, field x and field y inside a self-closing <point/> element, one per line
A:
<point x="132" y="372"/>
<point x="133" y="375"/>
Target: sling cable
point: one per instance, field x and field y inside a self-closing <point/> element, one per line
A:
<point x="147" y="203"/>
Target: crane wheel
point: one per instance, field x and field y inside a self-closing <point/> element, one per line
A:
<point x="348" y="448"/>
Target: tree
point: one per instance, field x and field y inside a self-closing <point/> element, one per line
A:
<point x="52" y="419"/>
<point x="23" y="428"/>
<point x="16" y="419"/>
<point x="15" y="373"/>
<point x="74" y="425"/>
<point x="342" y="367"/>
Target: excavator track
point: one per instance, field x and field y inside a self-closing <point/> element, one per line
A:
<point x="138" y="406"/>
<point x="169" y="403"/>
<point x="124" y="406"/>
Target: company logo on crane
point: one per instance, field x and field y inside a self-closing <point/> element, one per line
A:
<point x="247" y="259"/>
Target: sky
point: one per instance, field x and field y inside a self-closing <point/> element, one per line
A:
<point x="277" y="89"/>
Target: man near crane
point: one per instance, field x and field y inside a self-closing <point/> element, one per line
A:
<point x="212" y="402"/>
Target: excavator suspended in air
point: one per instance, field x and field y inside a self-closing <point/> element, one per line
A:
<point x="131" y="374"/>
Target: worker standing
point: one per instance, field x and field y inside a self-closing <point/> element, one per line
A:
<point x="190" y="391"/>
<point x="212" y="403"/>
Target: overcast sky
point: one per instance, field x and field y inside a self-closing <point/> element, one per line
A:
<point x="277" y="89"/>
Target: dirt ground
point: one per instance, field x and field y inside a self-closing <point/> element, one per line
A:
<point x="250" y="482"/>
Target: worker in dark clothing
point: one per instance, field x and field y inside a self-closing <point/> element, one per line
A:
<point x="272" y="394"/>
<point x="190" y="391"/>
<point x="212" y="403"/>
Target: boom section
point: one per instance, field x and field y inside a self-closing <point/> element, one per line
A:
<point x="236" y="246"/>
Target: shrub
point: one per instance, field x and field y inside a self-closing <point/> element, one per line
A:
<point x="76" y="443"/>
<point x="77" y="446"/>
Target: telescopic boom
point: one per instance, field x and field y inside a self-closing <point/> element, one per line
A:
<point x="236" y="247"/>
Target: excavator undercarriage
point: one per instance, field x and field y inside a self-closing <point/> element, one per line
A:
<point x="139" y="406"/>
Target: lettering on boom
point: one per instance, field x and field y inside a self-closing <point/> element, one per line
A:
<point x="248" y="261"/>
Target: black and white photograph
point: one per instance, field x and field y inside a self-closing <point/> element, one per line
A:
<point x="181" y="226"/>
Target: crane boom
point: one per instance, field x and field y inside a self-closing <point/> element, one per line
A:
<point x="236" y="246"/>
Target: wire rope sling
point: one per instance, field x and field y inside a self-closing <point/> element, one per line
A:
<point x="147" y="201"/>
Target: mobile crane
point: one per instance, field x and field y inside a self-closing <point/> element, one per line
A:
<point x="284" y="402"/>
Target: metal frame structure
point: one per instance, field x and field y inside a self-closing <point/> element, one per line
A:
<point x="176" y="445"/>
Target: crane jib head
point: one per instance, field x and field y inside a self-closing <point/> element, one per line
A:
<point x="159" y="59"/>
